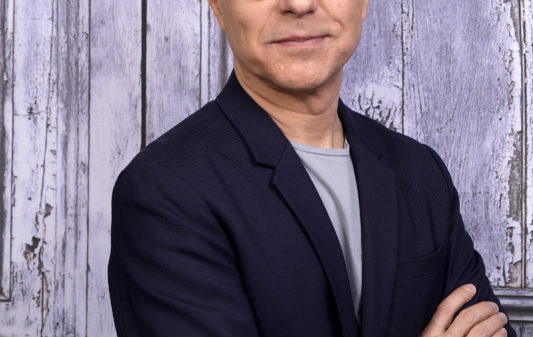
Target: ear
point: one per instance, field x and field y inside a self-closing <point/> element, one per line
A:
<point x="215" y="6"/>
<point x="364" y="8"/>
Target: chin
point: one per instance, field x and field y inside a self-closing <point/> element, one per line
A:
<point x="293" y="80"/>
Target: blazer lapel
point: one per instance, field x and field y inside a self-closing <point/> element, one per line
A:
<point x="378" y="207"/>
<point x="292" y="181"/>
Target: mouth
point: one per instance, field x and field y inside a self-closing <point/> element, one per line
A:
<point x="300" y="40"/>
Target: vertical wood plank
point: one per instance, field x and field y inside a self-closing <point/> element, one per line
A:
<point x="205" y="54"/>
<point x="115" y="135"/>
<point x="462" y="96"/>
<point x="173" y="64"/>
<point x="49" y="260"/>
<point x="33" y="166"/>
<point x="220" y="57"/>
<point x="373" y="77"/>
<point x="68" y="269"/>
<point x="527" y="330"/>
<point x="527" y="16"/>
<point x="6" y="147"/>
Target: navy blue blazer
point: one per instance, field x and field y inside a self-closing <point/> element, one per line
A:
<point x="218" y="231"/>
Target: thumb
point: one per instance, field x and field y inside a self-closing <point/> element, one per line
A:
<point x="442" y="318"/>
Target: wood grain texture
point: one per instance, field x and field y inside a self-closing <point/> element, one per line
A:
<point x="173" y="64"/>
<point x="49" y="111"/>
<point x="5" y="177"/>
<point x="6" y="147"/>
<point x="372" y="82"/>
<point x="523" y="329"/>
<point x="527" y="330"/>
<point x="68" y="269"/>
<point x="462" y="96"/>
<point x="115" y="136"/>
<point x="220" y="57"/>
<point x="33" y="193"/>
<point x="527" y="47"/>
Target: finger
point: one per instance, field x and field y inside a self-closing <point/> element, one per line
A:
<point x="447" y="308"/>
<point x="471" y="317"/>
<point x="501" y="333"/>
<point x="490" y="326"/>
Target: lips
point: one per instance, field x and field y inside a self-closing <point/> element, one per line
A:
<point x="305" y="42"/>
<point x="300" y="39"/>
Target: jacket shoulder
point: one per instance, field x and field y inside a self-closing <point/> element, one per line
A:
<point x="185" y="145"/>
<point x="383" y="141"/>
<point x="413" y="162"/>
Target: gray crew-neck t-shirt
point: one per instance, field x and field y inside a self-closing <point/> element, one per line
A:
<point x="332" y="173"/>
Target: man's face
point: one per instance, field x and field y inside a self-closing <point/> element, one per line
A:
<point x="291" y="45"/>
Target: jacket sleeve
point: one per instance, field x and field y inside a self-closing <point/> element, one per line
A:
<point x="172" y="271"/>
<point x="465" y="265"/>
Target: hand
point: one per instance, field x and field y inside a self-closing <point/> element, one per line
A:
<point x="480" y="320"/>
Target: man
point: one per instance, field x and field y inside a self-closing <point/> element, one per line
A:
<point x="277" y="211"/>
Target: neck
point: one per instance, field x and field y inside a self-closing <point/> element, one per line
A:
<point x="307" y="117"/>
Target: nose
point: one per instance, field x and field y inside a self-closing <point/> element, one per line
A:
<point x="298" y="7"/>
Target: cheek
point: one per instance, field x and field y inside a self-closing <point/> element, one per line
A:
<point x="347" y="23"/>
<point x="238" y="36"/>
<point x="243" y="34"/>
<point x="352" y="35"/>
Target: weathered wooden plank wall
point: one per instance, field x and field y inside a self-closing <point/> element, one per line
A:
<point x="45" y="156"/>
<point x="463" y="97"/>
<point x="86" y="83"/>
<point x="373" y="77"/>
<point x="6" y="45"/>
<point x="173" y="63"/>
<point x="219" y="56"/>
<point x="527" y="100"/>
<point x="65" y="258"/>
<point x="115" y="135"/>
<point x="34" y="131"/>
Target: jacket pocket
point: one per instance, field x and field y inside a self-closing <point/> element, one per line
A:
<point x="419" y="287"/>
<point x="422" y="266"/>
